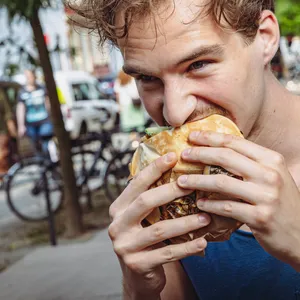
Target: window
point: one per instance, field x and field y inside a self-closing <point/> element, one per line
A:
<point x="86" y="91"/>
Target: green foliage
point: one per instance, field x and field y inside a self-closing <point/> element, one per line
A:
<point x="288" y="13"/>
<point x="23" y="8"/>
<point x="11" y="70"/>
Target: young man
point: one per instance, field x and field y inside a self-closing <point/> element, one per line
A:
<point x="191" y="58"/>
<point x="33" y="111"/>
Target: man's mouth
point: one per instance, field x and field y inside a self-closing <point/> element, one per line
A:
<point x="208" y="111"/>
<point x="204" y="110"/>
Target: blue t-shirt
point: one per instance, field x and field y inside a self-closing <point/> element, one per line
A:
<point x="239" y="269"/>
<point x="36" y="111"/>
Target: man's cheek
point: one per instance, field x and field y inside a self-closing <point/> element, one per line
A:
<point x="154" y="107"/>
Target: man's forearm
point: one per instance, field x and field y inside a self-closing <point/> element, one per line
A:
<point x="129" y="294"/>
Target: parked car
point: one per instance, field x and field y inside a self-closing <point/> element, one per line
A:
<point x="85" y="108"/>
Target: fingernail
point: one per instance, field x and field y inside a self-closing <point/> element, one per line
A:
<point x="183" y="179"/>
<point x="194" y="135"/>
<point x="170" y="157"/>
<point x="187" y="152"/>
<point x="204" y="218"/>
<point x="201" y="243"/>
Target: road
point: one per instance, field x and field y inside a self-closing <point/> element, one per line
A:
<point x="5" y="214"/>
<point x="78" y="271"/>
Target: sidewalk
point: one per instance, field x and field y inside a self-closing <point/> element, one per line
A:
<point x="85" y="271"/>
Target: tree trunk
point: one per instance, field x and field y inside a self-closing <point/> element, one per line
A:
<point x="74" y="224"/>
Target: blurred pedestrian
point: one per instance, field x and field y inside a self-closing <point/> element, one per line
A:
<point x="33" y="111"/>
<point x="7" y="129"/>
<point x="131" y="110"/>
<point x="290" y="50"/>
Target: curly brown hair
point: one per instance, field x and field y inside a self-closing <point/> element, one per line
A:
<point x="99" y="15"/>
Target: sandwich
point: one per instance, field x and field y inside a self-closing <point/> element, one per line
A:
<point x="158" y="142"/>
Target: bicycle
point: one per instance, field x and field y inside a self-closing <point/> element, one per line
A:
<point x="117" y="171"/>
<point x="27" y="183"/>
<point x="89" y="165"/>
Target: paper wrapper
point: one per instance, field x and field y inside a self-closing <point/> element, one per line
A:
<point x="176" y="140"/>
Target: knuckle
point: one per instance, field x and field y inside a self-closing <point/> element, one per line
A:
<point x="205" y="136"/>
<point x="196" y="152"/>
<point x="139" y="179"/>
<point x="227" y="207"/>
<point x="158" y="232"/>
<point x="274" y="178"/>
<point x="112" y="211"/>
<point x="132" y="263"/>
<point x="187" y="249"/>
<point x="187" y="225"/>
<point x="221" y="182"/>
<point x="119" y="249"/>
<point x="263" y="217"/>
<point x="227" y="140"/>
<point x="113" y="231"/>
<point x="278" y="160"/>
<point x="142" y="202"/>
<point x="158" y="165"/>
<point x="174" y="190"/>
<point x="224" y="155"/>
<point x="168" y="254"/>
<point x="272" y="197"/>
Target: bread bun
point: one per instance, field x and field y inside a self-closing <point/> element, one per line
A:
<point x="176" y="140"/>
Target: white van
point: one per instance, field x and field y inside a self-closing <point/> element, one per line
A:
<point x="83" y="106"/>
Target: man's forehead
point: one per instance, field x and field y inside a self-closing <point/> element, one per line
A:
<point x="171" y="16"/>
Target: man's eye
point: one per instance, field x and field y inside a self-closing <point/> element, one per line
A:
<point x="146" y="78"/>
<point x="198" y="65"/>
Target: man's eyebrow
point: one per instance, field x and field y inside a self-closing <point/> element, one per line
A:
<point x="131" y="70"/>
<point x="196" y="53"/>
<point x="202" y="51"/>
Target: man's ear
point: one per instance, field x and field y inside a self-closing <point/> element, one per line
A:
<point x="270" y="35"/>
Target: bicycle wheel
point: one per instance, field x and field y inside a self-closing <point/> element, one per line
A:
<point x="25" y="190"/>
<point x="116" y="174"/>
<point x="83" y="162"/>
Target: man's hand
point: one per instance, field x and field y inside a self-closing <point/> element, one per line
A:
<point x="271" y="206"/>
<point x="140" y="250"/>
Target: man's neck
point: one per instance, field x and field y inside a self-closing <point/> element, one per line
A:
<point x="278" y="126"/>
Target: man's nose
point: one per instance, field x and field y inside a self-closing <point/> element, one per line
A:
<point x="178" y="104"/>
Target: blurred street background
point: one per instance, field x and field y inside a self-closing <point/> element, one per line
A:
<point x="70" y="120"/>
